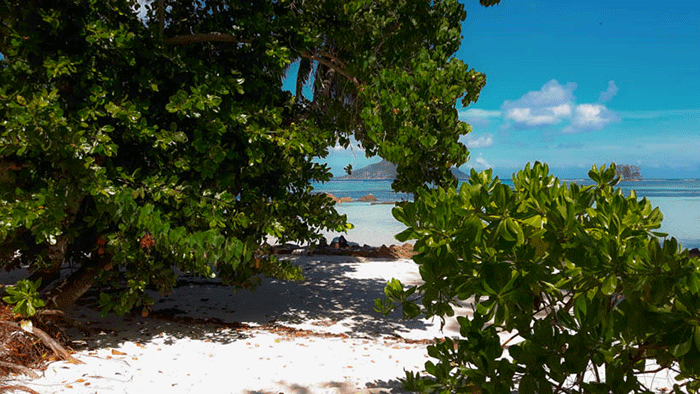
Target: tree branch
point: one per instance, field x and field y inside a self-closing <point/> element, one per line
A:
<point x="161" y="17"/>
<point x="204" y="37"/>
<point x="331" y="65"/>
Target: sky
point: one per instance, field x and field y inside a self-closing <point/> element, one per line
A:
<point x="578" y="83"/>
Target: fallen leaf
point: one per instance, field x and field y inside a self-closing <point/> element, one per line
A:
<point x="118" y="353"/>
<point x="80" y="381"/>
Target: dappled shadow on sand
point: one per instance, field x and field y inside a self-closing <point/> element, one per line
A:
<point x="337" y="298"/>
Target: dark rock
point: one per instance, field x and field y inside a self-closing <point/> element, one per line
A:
<point x="695" y="252"/>
<point x="339" y="242"/>
<point x="284" y="249"/>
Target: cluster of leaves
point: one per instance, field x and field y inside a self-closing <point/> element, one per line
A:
<point x="136" y="157"/>
<point x="25" y="297"/>
<point x="133" y="145"/>
<point x="571" y="288"/>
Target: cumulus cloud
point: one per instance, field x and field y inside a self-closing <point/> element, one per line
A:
<point x="609" y="93"/>
<point x="545" y="107"/>
<point x="590" y="117"/>
<point x="554" y="104"/>
<point x="473" y="141"/>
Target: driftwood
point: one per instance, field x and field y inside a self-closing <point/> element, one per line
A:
<point x="46" y="340"/>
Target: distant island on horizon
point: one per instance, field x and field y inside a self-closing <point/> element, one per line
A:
<point x="384" y="171"/>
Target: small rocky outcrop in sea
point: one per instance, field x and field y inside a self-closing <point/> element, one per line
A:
<point x="368" y="198"/>
<point x="338" y="200"/>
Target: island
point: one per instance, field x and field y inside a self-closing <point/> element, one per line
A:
<point x="384" y="171"/>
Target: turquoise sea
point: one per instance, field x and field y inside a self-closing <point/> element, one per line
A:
<point x="678" y="199"/>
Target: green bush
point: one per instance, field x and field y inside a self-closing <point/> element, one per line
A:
<point x="24" y="297"/>
<point x="572" y="290"/>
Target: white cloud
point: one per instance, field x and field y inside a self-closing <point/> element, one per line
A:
<point x="352" y="148"/>
<point x="478" y="113"/>
<point x="590" y="117"/>
<point x="609" y="93"/>
<point x="545" y="107"/>
<point x="555" y="103"/>
<point x="483" y="163"/>
<point x="473" y="141"/>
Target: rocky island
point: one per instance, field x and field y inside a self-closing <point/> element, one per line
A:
<point x="383" y="171"/>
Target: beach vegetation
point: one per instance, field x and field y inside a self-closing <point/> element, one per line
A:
<point x="143" y="139"/>
<point x="561" y="288"/>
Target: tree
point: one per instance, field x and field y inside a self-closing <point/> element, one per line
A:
<point x="572" y="288"/>
<point x="627" y="172"/>
<point x="132" y="147"/>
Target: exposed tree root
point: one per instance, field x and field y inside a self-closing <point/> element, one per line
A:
<point x="4" y="389"/>
<point x="46" y="340"/>
<point x="19" y="369"/>
<point x="22" y="351"/>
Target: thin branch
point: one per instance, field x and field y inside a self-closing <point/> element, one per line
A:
<point x="204" y="37"/>
<point x="50" y="312"/>
<point x="503" y="346"/>
<point x="161" y="17"/>
<point x="381" y="43"/>
<point x="597" y="375"/>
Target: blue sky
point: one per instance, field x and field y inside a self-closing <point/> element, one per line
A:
<point x="577" y="83"/>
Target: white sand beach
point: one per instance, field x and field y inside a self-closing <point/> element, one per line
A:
<point x="318" y="336"/>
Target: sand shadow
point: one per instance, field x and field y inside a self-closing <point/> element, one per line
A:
<point x="337" y="297"/>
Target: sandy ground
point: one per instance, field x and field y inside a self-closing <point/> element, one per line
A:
<point x="318" y="336"/>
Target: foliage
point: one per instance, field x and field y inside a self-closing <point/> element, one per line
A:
<point x="135" y="146"/>
<point x="25" y="298"/>
<point x="570" y="288"/>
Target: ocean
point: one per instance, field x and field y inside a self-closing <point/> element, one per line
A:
<point x="678" y="199"/>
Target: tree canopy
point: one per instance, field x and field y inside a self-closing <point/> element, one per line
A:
<point x="132" y="146"/>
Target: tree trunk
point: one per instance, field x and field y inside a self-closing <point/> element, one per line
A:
<point x="57" y="255"/>
<point x="68" y="291"/>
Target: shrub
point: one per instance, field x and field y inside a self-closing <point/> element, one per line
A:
<point x="571" y="288"/>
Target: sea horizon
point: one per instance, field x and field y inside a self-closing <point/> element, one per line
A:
<point x="678" y="200"/>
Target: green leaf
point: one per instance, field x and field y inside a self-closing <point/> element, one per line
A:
<point x="680" y="350"/>
<point x="609" y="285"/>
